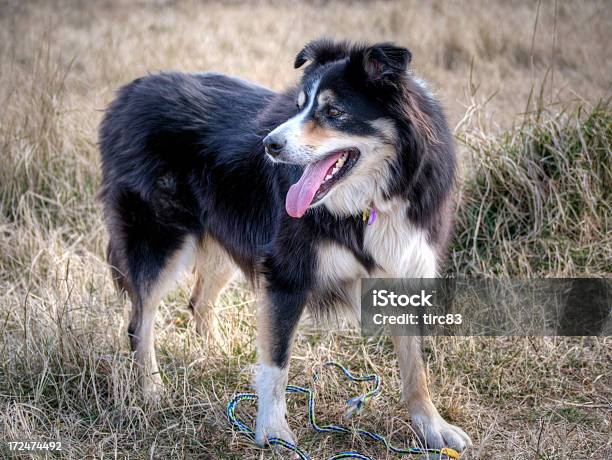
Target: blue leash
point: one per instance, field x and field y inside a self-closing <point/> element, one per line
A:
<point x="356" y="405"/>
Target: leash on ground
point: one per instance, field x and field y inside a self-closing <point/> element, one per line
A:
<point x="355" y="404"/>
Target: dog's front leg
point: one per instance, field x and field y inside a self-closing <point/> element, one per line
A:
<point x="433" y="430"/>
<point x="278" y="316"/>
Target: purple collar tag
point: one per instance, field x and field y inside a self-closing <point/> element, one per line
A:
<point x="369" y="215"/>
<point x="372" y="216"/>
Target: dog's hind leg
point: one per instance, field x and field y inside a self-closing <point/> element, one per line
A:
<point x="152" y="276"/>
<point x="146" y="259"/>
<point x="213" y="270"/>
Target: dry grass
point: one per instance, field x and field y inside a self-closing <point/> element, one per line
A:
<point x="536" y="202"/>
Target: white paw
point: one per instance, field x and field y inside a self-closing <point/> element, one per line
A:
<point x="268" y="429"/>
<point x="436" y="433"/>
<point x="152" y="388"/>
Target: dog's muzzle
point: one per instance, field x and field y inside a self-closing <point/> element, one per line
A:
<point x="274" y="144"/>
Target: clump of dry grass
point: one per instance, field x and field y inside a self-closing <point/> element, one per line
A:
<point x="65" y="369"/>
<point x="538" y="198"/>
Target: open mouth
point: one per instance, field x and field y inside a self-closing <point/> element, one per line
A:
<point x="318" y="179"/>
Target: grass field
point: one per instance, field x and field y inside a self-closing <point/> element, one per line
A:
<point x="535" y="200"/>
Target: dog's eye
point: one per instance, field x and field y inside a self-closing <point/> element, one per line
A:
<point x="333" y="112"/>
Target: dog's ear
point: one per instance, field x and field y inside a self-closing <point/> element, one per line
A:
<point x="381" y="62"/>
<point x="320" y="51"/>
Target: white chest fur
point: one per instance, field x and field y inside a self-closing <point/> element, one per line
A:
<point x="398" y="247"/>
<point x="337" y="264"/>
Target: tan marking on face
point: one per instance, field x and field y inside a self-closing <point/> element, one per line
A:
<point x="385" y="127"/>
<point x="315" y="136"/>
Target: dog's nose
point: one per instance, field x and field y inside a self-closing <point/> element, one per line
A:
<point x="274" y="145"/>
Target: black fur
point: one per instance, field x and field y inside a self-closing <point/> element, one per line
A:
<point x="182" y="156"/>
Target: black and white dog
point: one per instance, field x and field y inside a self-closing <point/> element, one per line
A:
<point x="211" y="170"/>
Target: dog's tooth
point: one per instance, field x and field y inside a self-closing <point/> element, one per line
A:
<point x="328" y="177"/>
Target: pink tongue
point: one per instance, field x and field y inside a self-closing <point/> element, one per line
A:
<point x="301" y="193"/>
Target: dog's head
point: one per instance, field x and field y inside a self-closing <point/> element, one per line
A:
<point x="345" y="130"/>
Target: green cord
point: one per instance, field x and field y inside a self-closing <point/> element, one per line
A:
<point x="355" y="405"/>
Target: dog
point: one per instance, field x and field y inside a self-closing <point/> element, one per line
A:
<point x="213" y="172"/>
